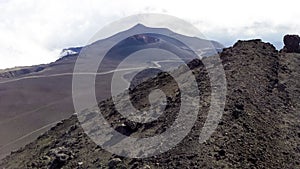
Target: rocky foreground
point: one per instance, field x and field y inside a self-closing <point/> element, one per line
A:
<point x="260" y="127"/>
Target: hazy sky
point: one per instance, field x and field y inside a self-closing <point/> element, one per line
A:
<point x="35" y="31"/>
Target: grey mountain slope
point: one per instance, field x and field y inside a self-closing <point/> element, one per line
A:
<point x="33" y="98"/>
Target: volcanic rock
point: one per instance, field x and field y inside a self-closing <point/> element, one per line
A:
<point x="291" y="44"/>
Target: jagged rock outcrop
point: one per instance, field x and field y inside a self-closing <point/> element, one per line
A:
<point x="291" y="44"/>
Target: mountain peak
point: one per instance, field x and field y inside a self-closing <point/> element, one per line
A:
<point x="139" y="25"/>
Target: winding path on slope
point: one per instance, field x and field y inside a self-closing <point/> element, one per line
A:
<point x="31" y="135"/>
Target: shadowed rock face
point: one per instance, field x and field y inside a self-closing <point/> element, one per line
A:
<point x="145" y="38"/>
<point x="291" y="44"/>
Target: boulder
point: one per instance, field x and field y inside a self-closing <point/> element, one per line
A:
<point x="291" y="44"/>
<point x="61" y="156"/>
<point x="115" y="163"/>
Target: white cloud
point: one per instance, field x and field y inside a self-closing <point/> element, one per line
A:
<point x="34" y="32"/>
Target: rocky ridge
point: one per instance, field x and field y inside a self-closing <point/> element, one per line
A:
<point x="259" y="128"/>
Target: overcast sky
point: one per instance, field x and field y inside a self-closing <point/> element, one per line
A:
<point x="35" y="31"/>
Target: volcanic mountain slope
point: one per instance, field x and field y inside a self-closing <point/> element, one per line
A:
<point x="33" y="99"/>
<point x="259" y="128"/>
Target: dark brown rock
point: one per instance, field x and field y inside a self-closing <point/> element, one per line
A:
<point x="291" y="44"/>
